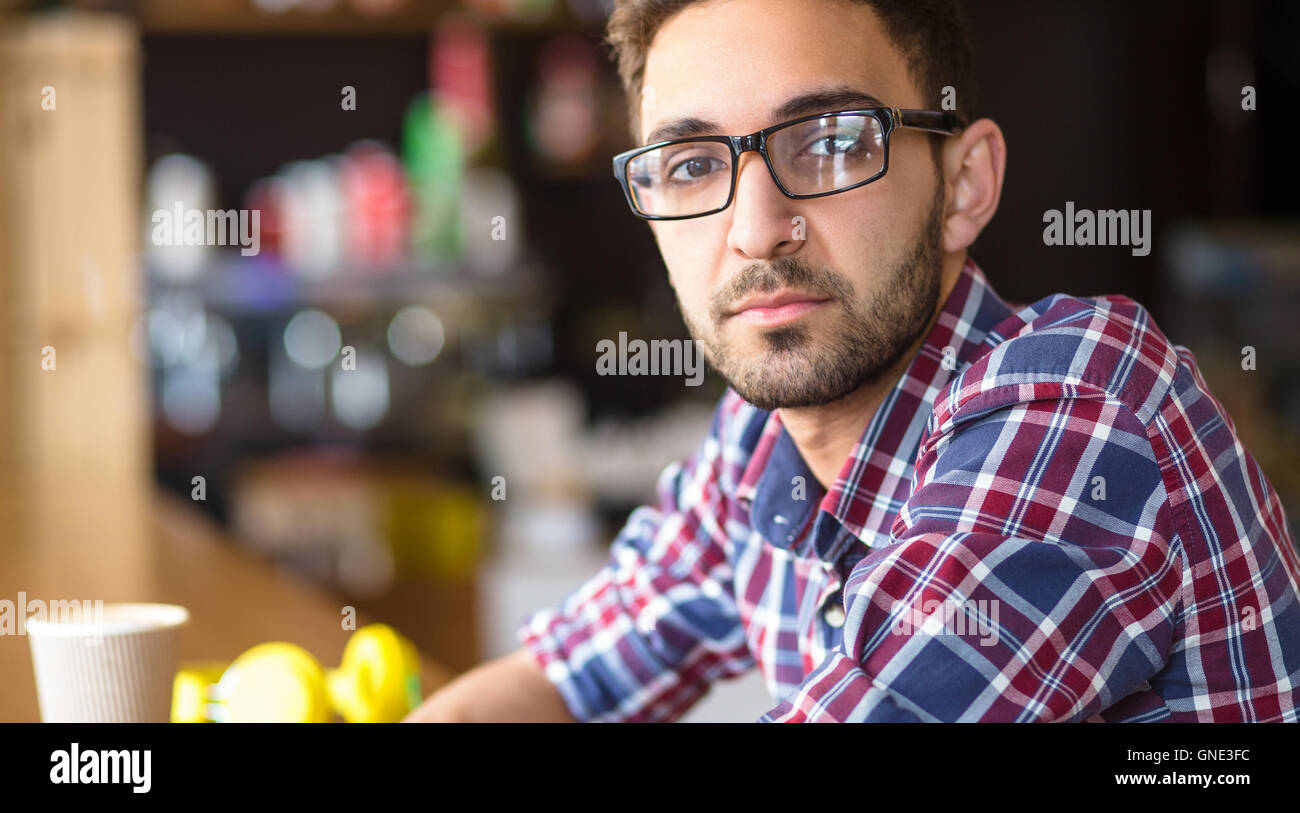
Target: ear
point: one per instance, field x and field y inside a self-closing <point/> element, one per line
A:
<point x="974" y="162"/>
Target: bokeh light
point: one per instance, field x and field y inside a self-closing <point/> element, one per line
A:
<point x="416" y="335"/>
<point x="312" y="339"/>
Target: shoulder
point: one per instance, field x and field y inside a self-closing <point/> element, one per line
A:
<point x="1102" y="348"/>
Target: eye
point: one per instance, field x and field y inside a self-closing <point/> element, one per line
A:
<point x="693" y="168"/>
<point x="836" y="144"/>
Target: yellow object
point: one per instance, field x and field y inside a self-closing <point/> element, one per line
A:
<point x="439" y="530"/>
<point x="190" y="691"/>
<point x="272" y="683"/>
<point x="377" y="682"/>
<point x="379" y="678"/>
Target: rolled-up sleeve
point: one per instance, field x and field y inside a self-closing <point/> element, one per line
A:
<point x="644" y="638"/>
<point x="1034" y="574"/>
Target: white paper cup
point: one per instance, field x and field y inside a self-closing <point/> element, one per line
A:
<point x="115" y="668"/>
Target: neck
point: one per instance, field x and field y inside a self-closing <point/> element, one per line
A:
<point x="825" y="435"/>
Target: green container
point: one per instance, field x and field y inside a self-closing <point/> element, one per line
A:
<point x="434" y="160"/>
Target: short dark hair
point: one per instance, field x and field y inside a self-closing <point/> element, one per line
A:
<point x="931" y="34"/>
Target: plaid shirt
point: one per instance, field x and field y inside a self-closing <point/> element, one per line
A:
<point x="1049" y="517"/>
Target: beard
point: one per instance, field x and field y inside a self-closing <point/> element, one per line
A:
<point x="863" y="341"/>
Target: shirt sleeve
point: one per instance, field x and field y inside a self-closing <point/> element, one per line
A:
<point x="644" y="638"/>
<point x="1034" y="574"/>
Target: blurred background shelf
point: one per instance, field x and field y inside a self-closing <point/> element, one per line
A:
<point x="251" y="286"/>
<point x="244" y="18"/>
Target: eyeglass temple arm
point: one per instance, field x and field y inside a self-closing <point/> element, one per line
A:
<point x="934" y="121"/>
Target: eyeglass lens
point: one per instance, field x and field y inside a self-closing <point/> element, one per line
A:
<point x="818" y="156"/>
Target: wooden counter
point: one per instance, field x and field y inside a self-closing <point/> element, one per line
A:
<point x="56" y="545"/>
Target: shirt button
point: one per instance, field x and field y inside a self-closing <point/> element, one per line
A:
<point x="834" y="614"/>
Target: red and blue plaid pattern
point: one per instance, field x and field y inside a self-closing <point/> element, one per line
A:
<point x="1049" y="517"/>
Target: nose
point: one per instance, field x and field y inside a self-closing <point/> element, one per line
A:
<point x="762" y="217"/>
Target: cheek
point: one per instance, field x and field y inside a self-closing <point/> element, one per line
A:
<point x="692" y="293"/>
<point x="858" y="235"/>
<point x="691" y="264"/>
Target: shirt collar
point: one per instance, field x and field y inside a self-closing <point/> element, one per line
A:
<point x="876" y="478"/>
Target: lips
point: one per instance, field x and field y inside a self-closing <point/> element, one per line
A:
<point x="776" y="308"/>
<point x="774" y="300"/>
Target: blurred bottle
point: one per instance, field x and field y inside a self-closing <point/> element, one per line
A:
<point x="176" y="185"/>
<point x="433" y="158"/>
<point x="461" y="78"/>
<point x="493" y="226"/>
<point x="313" y="222"/>
<point x="563" y="116"/>
<point x="266" y="195"/>
<point x="376" y="203"/>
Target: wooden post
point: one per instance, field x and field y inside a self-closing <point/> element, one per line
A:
<point x="73" y="399"/>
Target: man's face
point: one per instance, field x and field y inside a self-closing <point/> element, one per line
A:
<point x="792" y="322"/>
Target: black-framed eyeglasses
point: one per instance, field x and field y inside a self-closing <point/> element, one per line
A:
<point x="808" y="157"/>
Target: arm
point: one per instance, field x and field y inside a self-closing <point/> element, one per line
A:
<point x="644" y="637"/>
<point x="1069" y="595"/>
<point x="511" y="688"/>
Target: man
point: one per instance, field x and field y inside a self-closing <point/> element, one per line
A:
<point x="916" y="502"/>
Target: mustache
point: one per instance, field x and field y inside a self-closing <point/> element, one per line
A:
<point x="783" y="272"/>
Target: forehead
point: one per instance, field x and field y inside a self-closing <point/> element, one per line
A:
<point x="733" y="62"/>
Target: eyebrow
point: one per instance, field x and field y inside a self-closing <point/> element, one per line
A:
<point x="812" y="101"/>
